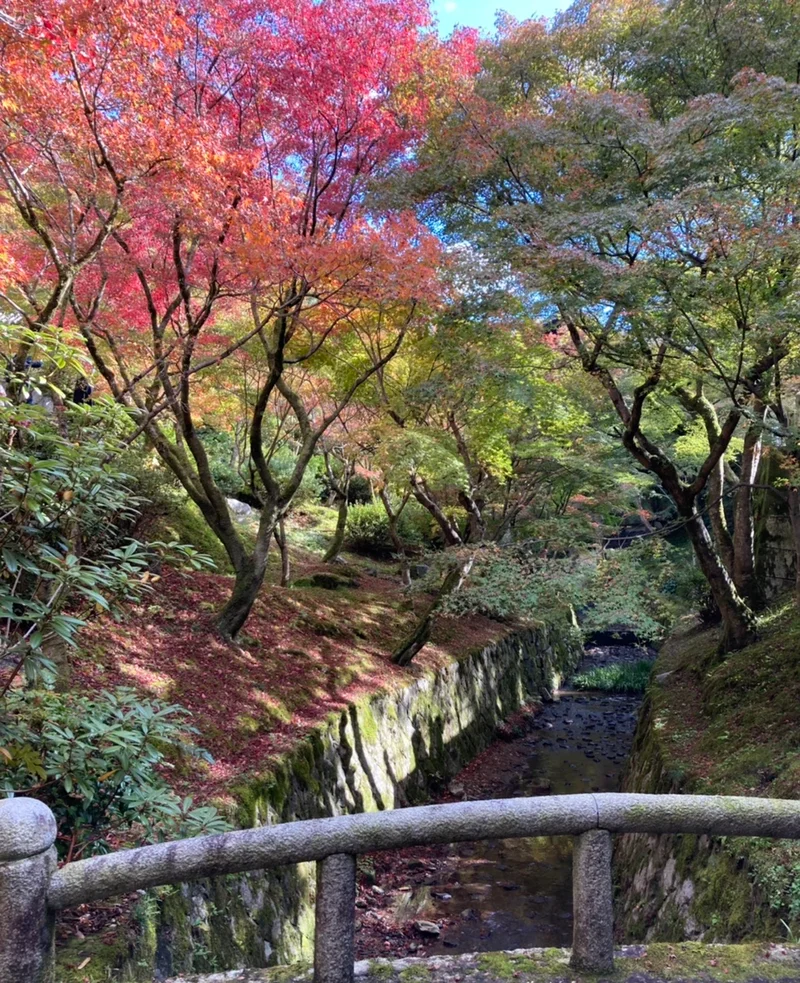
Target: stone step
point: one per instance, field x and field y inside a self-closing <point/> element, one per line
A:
<point x="685" y="962"/>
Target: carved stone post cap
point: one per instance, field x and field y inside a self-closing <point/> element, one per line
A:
<point x="27" y="827"/>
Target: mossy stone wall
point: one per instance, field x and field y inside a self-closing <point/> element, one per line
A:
<point x="679" y="887"/>
<point x="391" y="749"/>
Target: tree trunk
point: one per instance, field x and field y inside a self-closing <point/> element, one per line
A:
<point x="338" y="537"/>
<point x="416" y="641"/>
<point x="420" y="636"/>
<point x="422" y="493"/>
<point x="700" y="404"/>
<point x="794" y="519"/>
<point x="283" y="546"/>
<point x="249" y="578"/>
<point x="476" y="529"/>
<point x="744" y="570"/>
<point x="738" y="623"/>
<point x="397" y="542"/>
<point x="716" y="514"/>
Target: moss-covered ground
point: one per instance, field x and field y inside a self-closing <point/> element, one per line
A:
<point x="732" y="725"/>
<point x="307" y="650"/>
<point x="687" y="962"/>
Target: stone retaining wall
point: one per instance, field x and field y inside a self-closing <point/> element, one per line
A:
<point x="389" y="750"/>
<point x="676" y="887"/>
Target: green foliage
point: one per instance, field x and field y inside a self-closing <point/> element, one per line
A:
<point x="691" y="447"/>
<point x="222" y="457"/>
<point x="360" y="491"/>
<point x="95" y="761"/>
<point x="776" y="870"/>
<point x="173" y="515"/>
<point x="639" y="588"/>
<point x="227" y="461"/>
<point x="499" y="586"/>
<point x="619" y="678"/>
<point x="283" y="463"/>
<point x="428" y="452"/>
<point x="635" y="588"/>
<point x="368" y="529"/>
<point x="64" y="552"/>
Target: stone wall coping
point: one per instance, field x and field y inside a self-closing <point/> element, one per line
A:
<point x="287" y="843"/>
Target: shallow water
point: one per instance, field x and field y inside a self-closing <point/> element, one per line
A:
<point x="507" y="894"/>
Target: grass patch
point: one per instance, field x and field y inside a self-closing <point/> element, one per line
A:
<point x="630" y="678"/>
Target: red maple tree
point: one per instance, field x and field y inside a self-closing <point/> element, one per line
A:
<point x="184" y="184"/>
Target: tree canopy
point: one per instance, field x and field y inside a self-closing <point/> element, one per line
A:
<point x="523" y="286"/>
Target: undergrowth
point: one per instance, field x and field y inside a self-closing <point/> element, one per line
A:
<point x="631" y="678"/>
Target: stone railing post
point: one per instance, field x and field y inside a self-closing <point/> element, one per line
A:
<point x="27" y="860"/>
<point x="593" y="903"/>
<point x="336" y="918"/>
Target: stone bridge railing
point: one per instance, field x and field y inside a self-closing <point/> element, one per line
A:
<point x="32" y="890"/>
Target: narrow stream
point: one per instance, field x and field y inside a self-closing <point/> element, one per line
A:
<point x="508" y="894"/>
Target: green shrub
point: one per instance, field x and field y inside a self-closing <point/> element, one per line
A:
<point x="232" y="477"/>
<point x="368" y="529"/>
<point x="65" y="551"/>
<point x="776" y="869"/>
<point x="622" y="678"/>
<point x="360" y="491"/>
<point x="94" y="761"/>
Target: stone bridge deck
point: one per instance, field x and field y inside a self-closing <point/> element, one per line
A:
<point x="684" y="962"/>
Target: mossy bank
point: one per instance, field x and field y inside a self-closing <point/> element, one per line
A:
<point x="390" y="749"/>
<point x="687" y="963"/>
<point x="727" y="727"/>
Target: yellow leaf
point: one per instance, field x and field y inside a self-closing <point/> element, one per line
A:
<point x="107" y="775"/>
<point x="6" y="753"/>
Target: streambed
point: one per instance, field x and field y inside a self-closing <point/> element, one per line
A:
<point x="505" y="894"/>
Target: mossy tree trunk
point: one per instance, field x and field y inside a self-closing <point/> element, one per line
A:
<point x="413" y="643"/>
<point x="337" y="542"/>
<point x="793" y="499"/>
<point x="341" y="488"/>
<point x="744" y="567"/>
<point x="249" y="578"/>
<point x="393" y="516"/>
<point x="738" y="621"/>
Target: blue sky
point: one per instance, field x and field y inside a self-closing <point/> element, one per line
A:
<point x="480" y="13"/>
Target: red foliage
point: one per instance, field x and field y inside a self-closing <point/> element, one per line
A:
<point x="162" y="156"/>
